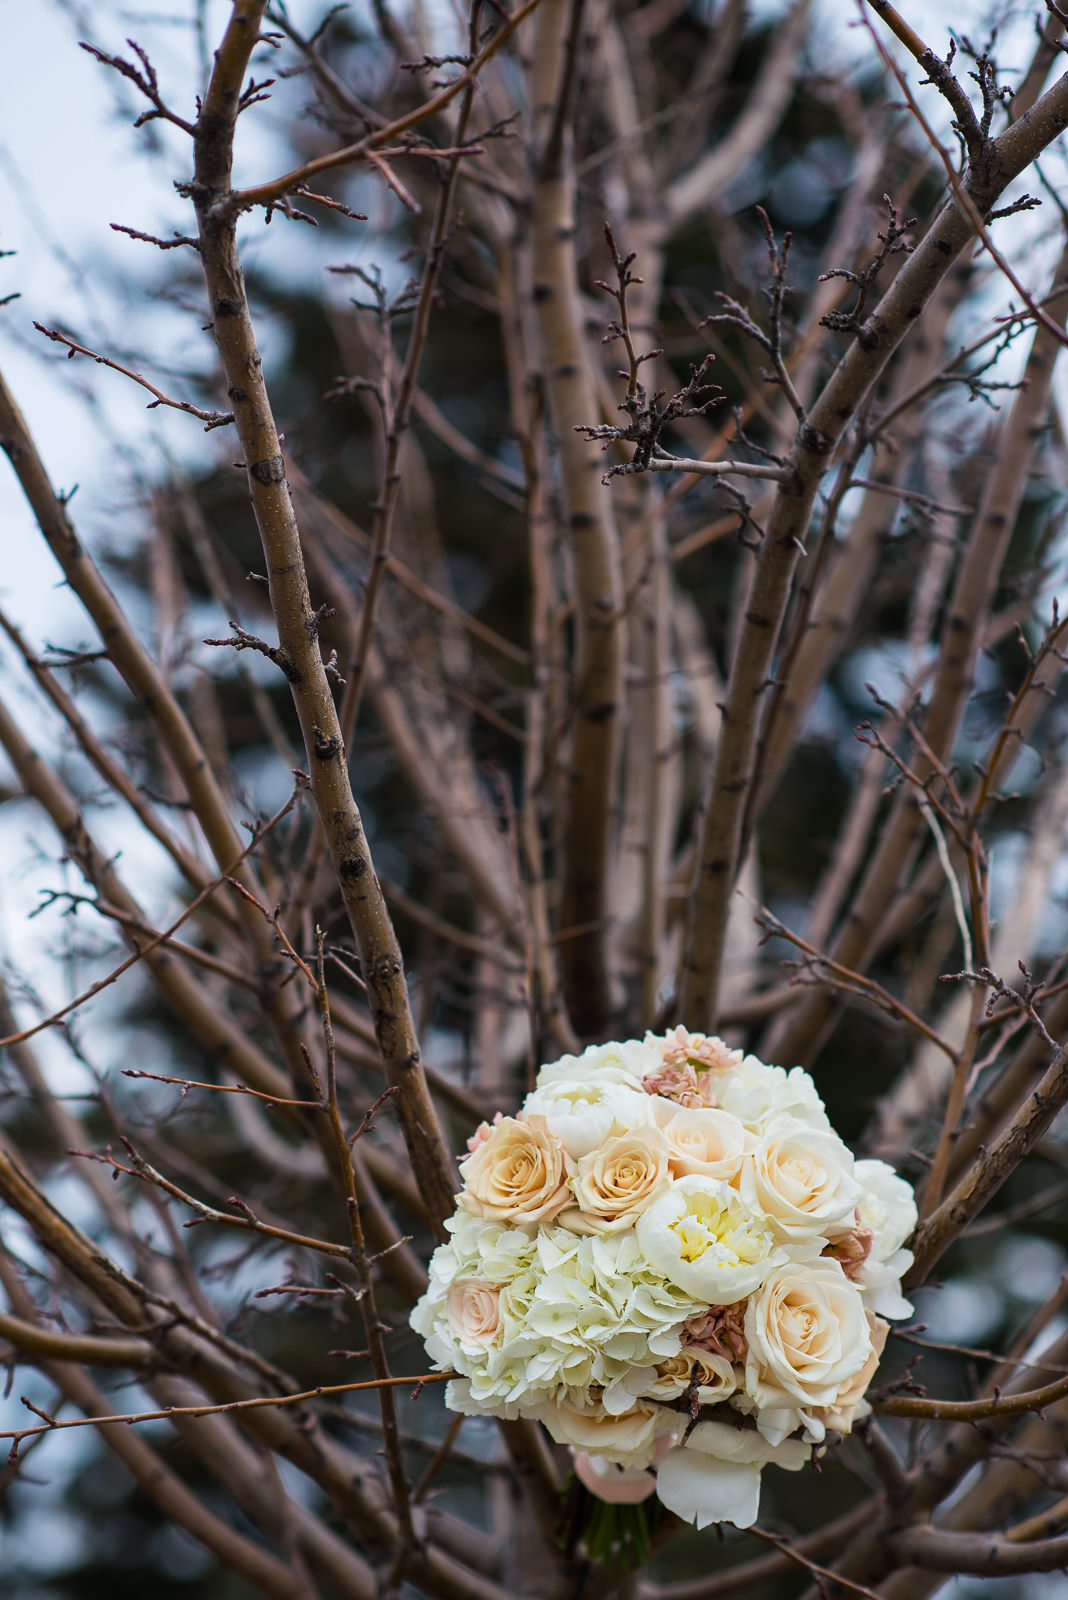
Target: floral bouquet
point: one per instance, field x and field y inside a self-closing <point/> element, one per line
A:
<point x="671" y="1260"/>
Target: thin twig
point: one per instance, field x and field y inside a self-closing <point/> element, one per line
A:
<point x="159" y="938"/>
<point x="166" y="1413"/>
<point x="210" y="419"/>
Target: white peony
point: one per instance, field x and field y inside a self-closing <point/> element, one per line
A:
<point x="702" y="1236"/>
<point x="756" y="1093"/>
<point x="583" y="1112"/>
<point x="626" y="1062"/>
<point x="887" y="1206"/>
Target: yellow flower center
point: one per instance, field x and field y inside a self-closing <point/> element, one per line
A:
<point x="708" y="1221"/>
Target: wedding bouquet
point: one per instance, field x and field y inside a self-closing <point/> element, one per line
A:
<point x="671" y="1260"/>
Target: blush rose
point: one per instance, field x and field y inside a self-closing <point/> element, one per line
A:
<point x="474" y="1311"/>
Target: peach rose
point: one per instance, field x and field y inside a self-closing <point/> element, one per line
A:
<point x="518" y="1174"/>
<point x="474" y="1311"/>
<point x="483" y="1132"/>
<point x="851" y="1250"/>
<point x="704" y="1051"/>
<point x="681" y="1085"/>
<point x="615" y="1183"/>
<point x="720" y="1329"/>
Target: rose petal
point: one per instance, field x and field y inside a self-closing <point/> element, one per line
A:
<point x="615" y="1485"/>
<point x="703" y="1489"/>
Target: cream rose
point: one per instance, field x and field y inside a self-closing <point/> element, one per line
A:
<point x="629" y="1439"/>
<point x="850" y="1397"/>
<point x="474" y="1311"/>
<point x="713" y="1377"/>
<point x="802" y="1180"/>
<point x="808" y="1336"/>
<point x="519" y="1174"/>
<point x="616" y="1183"/>
<point x="705" y="1141"/>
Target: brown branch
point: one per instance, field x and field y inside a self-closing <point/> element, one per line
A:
<point x="997" y="1405"/>
<point x="112" y="771"/>
<point x="398" y="409"/>
<point x="372" y="1326"/>
<point x="591" y="799"/>
<point x="147" y="684"/>
<point x="33" y="1340"/>
<point x="967" y="610"/>
<point x="827" y="970"/>
<point x="266" y="193"/>
<point x="245" y="1219"/>
<point x="983" y="1181"/>
<point x="163" y="1487"/>
<point x="156" y="939"/>
<point x="941" y="1550"/>
<point x="348" y="1482"/>
<point x="743" y="1575"/>
<point x="941" y="76"/>
<point x="710" y="469"/>
<point x="218" y="1088"/>
<point x="217" y="208"/>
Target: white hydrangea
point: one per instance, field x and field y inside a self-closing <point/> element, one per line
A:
<point x="573" y="1311"/>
